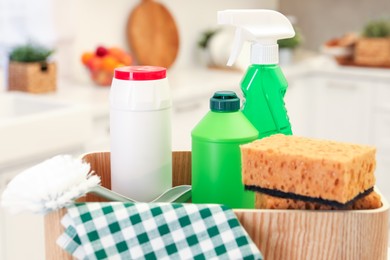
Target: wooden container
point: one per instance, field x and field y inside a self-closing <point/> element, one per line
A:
<point x="279" y="234"/>
<point x="33" y="77"/>
<point x="373" y="52"/>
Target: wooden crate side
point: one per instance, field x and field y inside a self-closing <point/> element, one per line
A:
<point x="295" y="234"/>
<point x="181" y="168"/>
<point x="53" y="229"/>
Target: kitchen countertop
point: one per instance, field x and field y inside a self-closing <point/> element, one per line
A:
<point x="327" y="65"/>
<point x="185" y="84"/>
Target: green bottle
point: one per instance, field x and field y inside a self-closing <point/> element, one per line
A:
<point x="216" y="156"/>
<point x="264" y="84"/>
<point x="264" y="87"/>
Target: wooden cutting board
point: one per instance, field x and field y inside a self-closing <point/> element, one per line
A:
<point x="152" y="34"/>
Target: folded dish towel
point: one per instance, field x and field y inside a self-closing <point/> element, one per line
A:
<point x="118" y="230"/>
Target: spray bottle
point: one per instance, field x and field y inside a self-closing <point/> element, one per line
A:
<point x="264" y="84"/>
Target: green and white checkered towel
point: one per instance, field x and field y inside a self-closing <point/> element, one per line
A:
<point x="115" y="230"/>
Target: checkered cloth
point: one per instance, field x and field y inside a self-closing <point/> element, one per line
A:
<point x="115" y="230"/>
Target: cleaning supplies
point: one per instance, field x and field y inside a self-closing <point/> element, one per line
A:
<point x="264" y="84"/>
<point x="216" y="158"/>
<point x="140" y="132"/>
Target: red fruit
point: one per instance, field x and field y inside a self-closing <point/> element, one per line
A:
<point x="101" y="51"/>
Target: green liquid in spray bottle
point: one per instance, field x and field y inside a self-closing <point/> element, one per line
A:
<point x="216" y="156"/>
<point x="264" y="84"/>
<point x="264" y="87"/>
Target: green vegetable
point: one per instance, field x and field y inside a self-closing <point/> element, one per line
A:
<point x="30" y="53"/>
<point x="377" y="29"/>
<point x="291" y="42"/>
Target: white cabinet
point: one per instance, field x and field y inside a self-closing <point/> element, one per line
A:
<point x="298" y="100"/>
<point x="341" y="109"/>
<point x="381" y="135"/>
<point x="21" y="235"/>
<point x="331" y="107"/>
<point x="3" y="183"/>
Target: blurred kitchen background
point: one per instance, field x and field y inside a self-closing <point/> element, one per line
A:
<point x="329" y="95"/>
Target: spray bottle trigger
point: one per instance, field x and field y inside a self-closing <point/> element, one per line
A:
<point x="241" y="35"/>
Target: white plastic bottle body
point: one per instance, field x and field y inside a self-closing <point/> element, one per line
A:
<point x="145" y="172"/>
<point x="140" y="133"/>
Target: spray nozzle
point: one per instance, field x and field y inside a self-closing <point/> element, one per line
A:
<point x="261" y="27"/>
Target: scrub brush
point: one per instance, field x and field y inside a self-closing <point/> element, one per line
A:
<point x="59" y="181"/>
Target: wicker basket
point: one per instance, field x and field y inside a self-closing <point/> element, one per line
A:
<point x="33" y="77"/>
<point x="373" y="52"/>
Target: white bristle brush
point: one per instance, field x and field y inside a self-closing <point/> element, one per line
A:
<point x="59" y="181"/>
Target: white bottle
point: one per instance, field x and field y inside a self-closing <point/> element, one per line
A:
<point x="140" y="130"/>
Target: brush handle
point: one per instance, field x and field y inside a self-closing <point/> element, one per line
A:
<point x="178" y="194"/>
<point x="109" y="194"/>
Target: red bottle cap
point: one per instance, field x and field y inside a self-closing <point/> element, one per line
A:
<point x="140" y="73"/>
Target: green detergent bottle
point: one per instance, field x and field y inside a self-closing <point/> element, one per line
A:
<point x="216" y="156"/>
<point x="264" y="84"/>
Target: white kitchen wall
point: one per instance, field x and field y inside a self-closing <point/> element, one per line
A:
<point x="82" y="25"/>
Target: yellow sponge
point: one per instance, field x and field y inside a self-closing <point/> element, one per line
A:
<point x="308" y="168"/>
